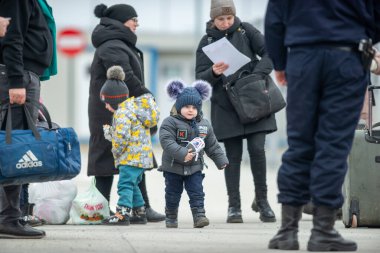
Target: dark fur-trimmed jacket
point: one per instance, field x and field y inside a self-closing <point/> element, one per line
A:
<point x="175" y="133"/>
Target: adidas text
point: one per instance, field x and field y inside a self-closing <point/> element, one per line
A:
<point x="30" y="164"/>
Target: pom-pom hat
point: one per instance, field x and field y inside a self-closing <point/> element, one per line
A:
<point x="120" y="12"/>
<point x="114" y="90"/>
<point x="193" y="95"/>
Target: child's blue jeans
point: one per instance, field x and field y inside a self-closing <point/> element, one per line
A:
<point x="128" y="186"/>
<point x="174" y="187"/>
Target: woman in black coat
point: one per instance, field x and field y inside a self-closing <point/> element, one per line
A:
<point x="115" y="42"/>
<point x="228" y="129"/>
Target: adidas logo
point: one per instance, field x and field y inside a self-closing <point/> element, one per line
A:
<point x="29" y="160"/>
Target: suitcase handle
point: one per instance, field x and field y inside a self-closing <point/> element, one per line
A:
<point x="371" y="102"/>
<point x="369" y="136"/>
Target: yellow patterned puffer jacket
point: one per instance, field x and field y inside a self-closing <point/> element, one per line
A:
<point x="129" y="133"/>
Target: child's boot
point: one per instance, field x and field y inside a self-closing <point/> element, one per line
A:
<point x="121" y="217"/>
<point x="199" y="217"/>
<point x="138" y="216"/>
<point x="171" y="218"/>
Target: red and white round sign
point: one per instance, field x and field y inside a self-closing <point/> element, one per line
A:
<point x="71" y="41"/>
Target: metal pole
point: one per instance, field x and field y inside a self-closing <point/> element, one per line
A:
<point x="71" y="91"/>
<point x="198" y="23"/>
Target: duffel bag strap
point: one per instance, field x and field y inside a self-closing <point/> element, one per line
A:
<point x="31" y="125"/>
<point x="46" y="115"/>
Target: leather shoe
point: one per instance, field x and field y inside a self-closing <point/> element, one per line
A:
<point x="14" y="230"/>
<point x="153" y="216"/>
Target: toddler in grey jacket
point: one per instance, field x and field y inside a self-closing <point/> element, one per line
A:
<point x="185" y="136"/>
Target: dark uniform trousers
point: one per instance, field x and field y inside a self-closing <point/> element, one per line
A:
<point x="10" y="195"/>
<point x="326" y="88"/>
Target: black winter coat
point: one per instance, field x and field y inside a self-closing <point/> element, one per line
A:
<point x="111" y="40"/>
<point x="28" y="44"/>
<point x="249" y="41"/>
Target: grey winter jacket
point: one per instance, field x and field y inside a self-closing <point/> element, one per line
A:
<point x="175" y="133"/>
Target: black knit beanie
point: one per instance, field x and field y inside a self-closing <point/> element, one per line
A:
<point x="120" y="12"/>
<point x="114" y="91"/>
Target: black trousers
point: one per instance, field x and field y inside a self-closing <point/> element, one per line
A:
<point x="104" y="185"/>
<point x="234" y="152"/>
<point x="10" y="195"/>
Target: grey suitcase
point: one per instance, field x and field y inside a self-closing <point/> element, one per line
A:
<point x="361" y="188"/>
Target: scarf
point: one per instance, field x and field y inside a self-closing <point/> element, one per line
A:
<point x="215" y="33"/>
<point x="48" y="14"/>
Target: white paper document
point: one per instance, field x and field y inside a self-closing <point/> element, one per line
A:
<point x="223" y="51"/>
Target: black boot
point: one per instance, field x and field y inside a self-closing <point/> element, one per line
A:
<point x="308" y="208"/>
<point x="260" y="204"/>
<point x="15" y="230"/>
<point x="171" y="220"/>
<point x="232" y="177"/>
<point x="153" y="216"/>
<point x="138" y="216"/>
<point x="234" y="215"/>
<point x="323" y="235"/>
<point x="199" y="217"/>
<point x="287" y="238"/>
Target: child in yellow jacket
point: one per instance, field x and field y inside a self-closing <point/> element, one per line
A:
<point x="131" y="141"/>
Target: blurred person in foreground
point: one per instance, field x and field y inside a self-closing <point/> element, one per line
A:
<point x="249" y="41"/>
<point x="115" y="41"/>
<point x="27" y="56"/>
<point x="314" y="48"/>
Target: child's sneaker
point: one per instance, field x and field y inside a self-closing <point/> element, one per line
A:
<point x="121" y="217"/>
<point x="138" y="216"/>
<point x="32" y="220"/>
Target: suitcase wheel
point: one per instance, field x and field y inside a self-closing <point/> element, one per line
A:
<point x="354" y="221"/>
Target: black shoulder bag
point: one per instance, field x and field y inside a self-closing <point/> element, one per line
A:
<point x="254" y="96"/>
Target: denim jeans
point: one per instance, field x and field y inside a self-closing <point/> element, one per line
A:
<point x="174" y="185"/>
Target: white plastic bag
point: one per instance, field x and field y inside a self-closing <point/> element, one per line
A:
<point x="90" y="207"/>
<point x="53" y="200"/>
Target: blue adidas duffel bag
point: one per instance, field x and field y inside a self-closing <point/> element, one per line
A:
<point x="39" y="154"/>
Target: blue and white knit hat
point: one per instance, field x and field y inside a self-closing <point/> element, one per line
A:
<point x="192" y="95"/>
